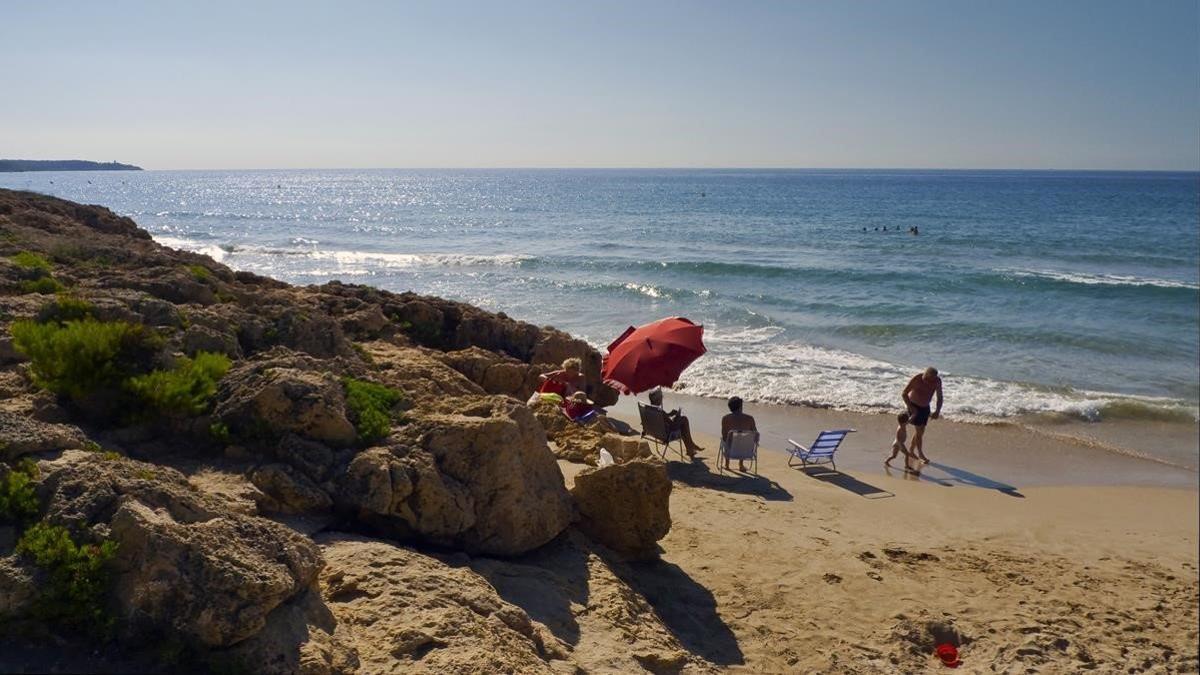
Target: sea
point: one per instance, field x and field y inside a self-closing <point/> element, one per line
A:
<point x="1043" y="295"/>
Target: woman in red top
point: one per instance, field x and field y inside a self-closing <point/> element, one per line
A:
<point x="564" y="382"/>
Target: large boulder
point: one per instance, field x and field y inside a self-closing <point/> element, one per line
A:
<point x="495" y="373"/>
<point x="409" y="612"/>
<point x="186" y="565"/>
<point x="626" y="506"/>
<point x="481" y="479"/>
<point x="281" y="392"/>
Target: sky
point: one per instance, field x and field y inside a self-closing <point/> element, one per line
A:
<point x="1088" y="84"/>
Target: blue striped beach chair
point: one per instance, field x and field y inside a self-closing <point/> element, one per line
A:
<point x="821" y="451"/>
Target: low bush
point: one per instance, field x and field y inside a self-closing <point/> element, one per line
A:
<point x="200" y="273"/>
<point x="184" y="390"/>
<point x="44" y="285"/>
<point x="18" y="498"/>
<point x="76" y="358"/>
<point x="31" y="261"/>
<point x="372" y="408"/>
<point x="78" y="577"/>
<point x="66" y="307"/>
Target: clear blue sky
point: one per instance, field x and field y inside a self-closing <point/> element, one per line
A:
<point x="948" y="83"/>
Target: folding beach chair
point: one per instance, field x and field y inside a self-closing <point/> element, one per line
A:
<point x="822" y="449"/>
<point x="739" y="445"/>
<point x="654" y="428"/>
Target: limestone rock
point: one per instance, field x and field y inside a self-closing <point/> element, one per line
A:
<point x="495" y="373"/>
<point x="625" y="448"/>
<point x="626" y="507"/>
<point x="199" y="338"/>
<point x="22" y="435"/>
<point x="18" y="586"/>
<point x="481" y="479"/>
<point x="301" y="637"/>
<point x="289" y="490"/>
<point x="284" y="394"/>
<point x="413" y="613"/>
<point x="417" y="372"/>
<point x="185" y="564"/>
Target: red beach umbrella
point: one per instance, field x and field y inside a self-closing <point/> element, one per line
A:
<point x="654" y="355"/>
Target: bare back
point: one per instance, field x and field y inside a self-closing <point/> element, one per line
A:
<point x="737" y="422"/>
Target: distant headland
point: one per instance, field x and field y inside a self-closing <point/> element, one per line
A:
<point x="63" y="165"/>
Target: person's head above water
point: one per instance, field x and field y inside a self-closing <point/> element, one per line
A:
<point x="735" y="404"/>
<point x="656" y="396"/>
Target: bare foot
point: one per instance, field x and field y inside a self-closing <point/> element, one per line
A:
<point x="887" y="462"/>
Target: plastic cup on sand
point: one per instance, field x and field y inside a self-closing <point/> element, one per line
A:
<point x="948" y="653"/>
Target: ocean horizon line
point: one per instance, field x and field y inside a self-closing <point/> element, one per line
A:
<point x="911" y="169"/>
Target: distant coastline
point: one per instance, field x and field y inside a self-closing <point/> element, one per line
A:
<point x="15" y="165"/>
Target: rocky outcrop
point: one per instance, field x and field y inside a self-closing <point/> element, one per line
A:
<point x="23" y="435"/>
<point x="626" y="506"/>
<point x="409" y="612"/>
<point x="289" y="490"/>
<point x="481" y="479"/>
<point x="186" y="566"/>
<point x="281" y="392"/>
<point x="495" y="373"/>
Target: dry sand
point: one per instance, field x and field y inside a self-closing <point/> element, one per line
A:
<point x="997" y="546"/>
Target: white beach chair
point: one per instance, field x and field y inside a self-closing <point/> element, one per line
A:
<point x="739" y="445"/>
<point x="822" y="449"/>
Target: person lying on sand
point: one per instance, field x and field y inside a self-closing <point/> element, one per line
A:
<point x="676" y="422"/>
<point x="737" y="420"/>
<point x="898" y="444"/>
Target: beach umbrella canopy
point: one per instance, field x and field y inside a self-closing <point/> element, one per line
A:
<point x="654" y="355"/>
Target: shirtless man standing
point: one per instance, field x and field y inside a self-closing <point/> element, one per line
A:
<point x="917" y="396"/>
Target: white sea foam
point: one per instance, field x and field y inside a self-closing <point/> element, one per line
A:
<point x="1099" y="279"/>
<point x="746" y="363"/>
<point x="211" y="250"/>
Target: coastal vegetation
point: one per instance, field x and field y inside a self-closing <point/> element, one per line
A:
<point x="372" y="408"/>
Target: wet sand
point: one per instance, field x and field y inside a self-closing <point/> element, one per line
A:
<point x="993" y="456"/>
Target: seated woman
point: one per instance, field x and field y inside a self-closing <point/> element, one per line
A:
<point x="676" y="422"/>
<point x="737" y="420"/>
<point x="579" y="408"/>
<point x="566" y="381"/>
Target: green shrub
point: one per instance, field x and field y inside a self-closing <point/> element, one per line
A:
<point x="18" y="500"/>
<point x="44" y="285"/>
<point x="372" y="408"/>
<point x="184" y="390"/>
<point x="66" y="307"/>
<point x="219" y="431"/>
<point x="79" y="576"/>
<point x="200" y="273"/>
<point x="31" y="261"/>
<point x="78" y="357"/>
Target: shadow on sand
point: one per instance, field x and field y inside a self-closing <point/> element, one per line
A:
<point x="845" y="481"/>
<point x="964" y="477"/>
<point x="686" y="608"/>
<point x="571" y="571"/>
<point x="698" y="474"/>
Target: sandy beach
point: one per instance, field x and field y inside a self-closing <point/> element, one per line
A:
<point x="1000" y="545"/>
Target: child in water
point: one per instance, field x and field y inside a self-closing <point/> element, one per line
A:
<point x="898" y="444"/>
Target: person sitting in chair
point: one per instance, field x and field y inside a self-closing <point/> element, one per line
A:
<point x="737" y="420"/>
<point x="676" y="423"/>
